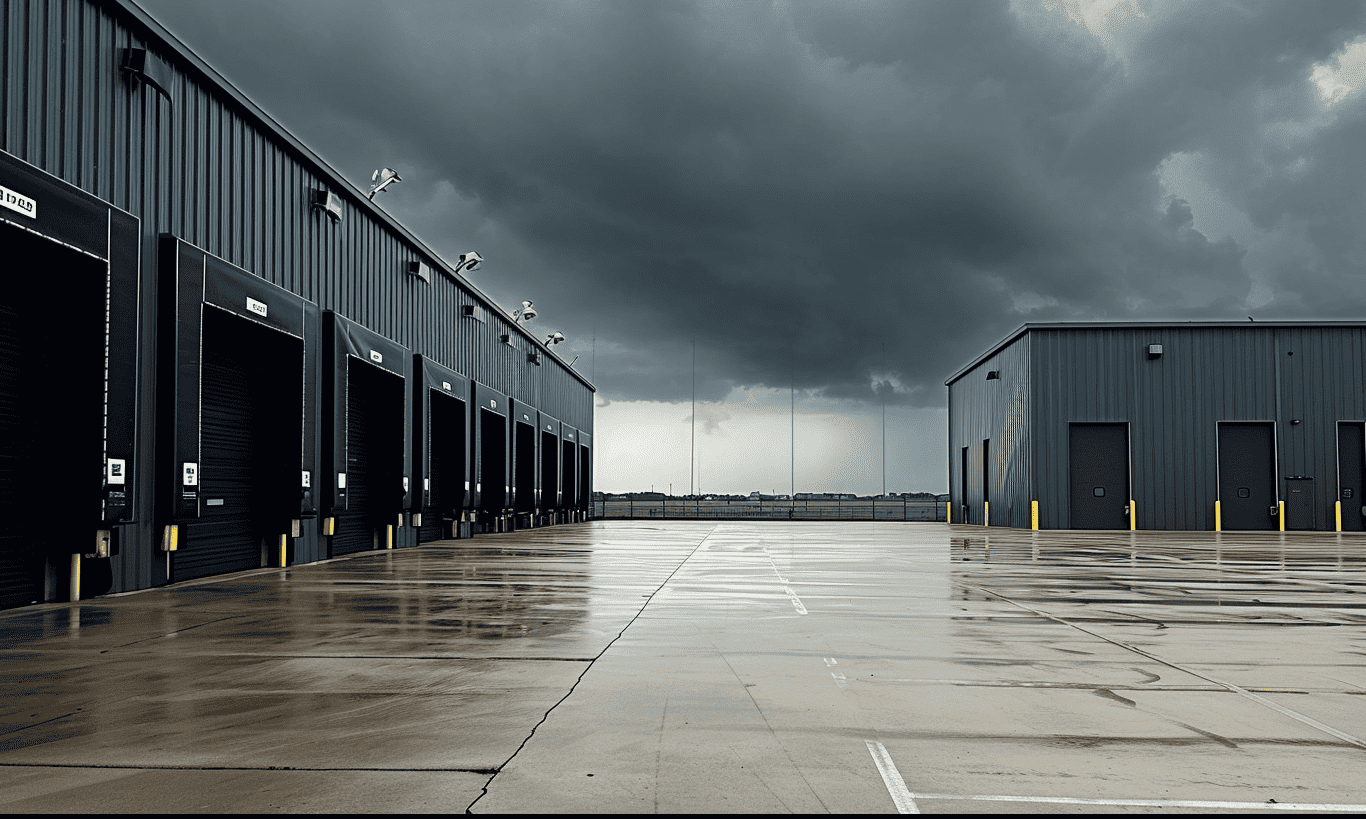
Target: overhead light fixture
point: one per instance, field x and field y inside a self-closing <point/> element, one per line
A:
<point x="527" y="313"/>
<point x="468" y="261"/>
<point x="327" y="202"/>
<point x="553" y="339"/>
<point x="993" y="375"/>
<point x="383" y="178"/>
<point x="1154" y="351"/>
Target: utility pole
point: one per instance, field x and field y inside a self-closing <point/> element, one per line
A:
<point x="692" y="455"/>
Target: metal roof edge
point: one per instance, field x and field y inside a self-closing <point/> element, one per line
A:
<point x="184" y="53"/>
<point x="1138" y="325"/>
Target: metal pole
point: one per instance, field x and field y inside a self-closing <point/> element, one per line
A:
<point x="692" y="454"/>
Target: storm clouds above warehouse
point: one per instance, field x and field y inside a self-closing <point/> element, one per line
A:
<point x="837" y="194"/>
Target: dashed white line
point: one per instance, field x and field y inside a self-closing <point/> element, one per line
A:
<point x="896" y="786"/>
<point x="796" y="601"/>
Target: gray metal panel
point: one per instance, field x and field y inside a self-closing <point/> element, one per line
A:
<point x="997" y="410"/>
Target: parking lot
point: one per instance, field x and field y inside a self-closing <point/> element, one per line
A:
<point x="690" y="666"/>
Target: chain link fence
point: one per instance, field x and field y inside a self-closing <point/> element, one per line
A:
<point x="814" y="509"/>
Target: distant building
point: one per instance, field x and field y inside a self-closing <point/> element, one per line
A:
<point x="1156" y="426"/>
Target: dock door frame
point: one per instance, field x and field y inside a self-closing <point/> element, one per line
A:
<point x="349" y="344"/>
<point x="433" y="382"/>
<point x="201" y="281"/>
<point x="72" y="221"/>
<point x="491" y="499"/>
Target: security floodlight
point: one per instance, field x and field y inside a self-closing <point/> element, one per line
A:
<point x="553" y="339"/>
<point x="383" y="178"/>
<point x="527" y="313"/>
<point x="468" y="261"/>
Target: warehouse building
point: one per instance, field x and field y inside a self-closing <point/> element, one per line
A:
<point x="1198" y="426"/>
<point x="217" y="354"/>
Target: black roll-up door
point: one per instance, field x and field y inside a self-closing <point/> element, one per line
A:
<point x="1352" y="475"/>
<point x="250" y="396"/>
<point x="524" y="467"/>
<point x="374" y="457"/>
<point x="1247" y="476"/>
<point x="20" y="568"/>
<point x="51" y="412"/>
<point x="1098" y="475"/>
<point x="550" y="472"/>
<point x="446" y="439"/>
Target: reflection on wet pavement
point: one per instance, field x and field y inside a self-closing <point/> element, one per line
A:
<point x="705" y="667"/>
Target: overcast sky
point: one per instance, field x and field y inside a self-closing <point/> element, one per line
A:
<point x="849" y="200"/>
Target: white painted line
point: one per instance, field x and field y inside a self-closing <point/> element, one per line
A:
<point x="796" y="601"/>
<point x="840" y="679"/>
<point x="1156" y="803"/>
<point x="830" y="662"/>
<point x="896" y="786"/>
<point x="1243" y="692"/>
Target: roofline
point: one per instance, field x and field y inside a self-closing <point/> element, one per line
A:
<point x="1134" y="325"/>
<point x="344" y="186"/>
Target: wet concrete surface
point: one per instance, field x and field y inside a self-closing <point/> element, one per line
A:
<point x="712" y="667"/>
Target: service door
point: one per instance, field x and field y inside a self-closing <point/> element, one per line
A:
<point x="1351" y="474"/>
<point x="1299" y="504"/>
<point x="251" y="388"/>
<point x="1247" y="476"/>
<point x="1098" y="474"/>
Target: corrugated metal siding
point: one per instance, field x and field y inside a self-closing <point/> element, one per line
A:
<point x="210" y="168"/>
<point x="997" y="410"/>
<point x="1206" y="374"/>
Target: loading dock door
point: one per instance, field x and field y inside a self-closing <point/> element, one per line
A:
<point x="492" y="464"/>
<point x="251" y="388"/>
<point x="447" y="442"/>
<point x="585" y="476"/>
<point x="51" y="411"/>
<point x="374" y="457"/>
<point x="550" y="472"/>
<point x="1247" y="476"/>
<point x="568" y="472"/>
<point x="524" y="467"/>
<point x="1351" y="474"/>
<point x="1098" y="473"/>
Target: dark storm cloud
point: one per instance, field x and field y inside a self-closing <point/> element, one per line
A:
<point x="867" y="190"/>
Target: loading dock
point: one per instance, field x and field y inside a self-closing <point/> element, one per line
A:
<point x="369" y="460"/>
<point x="569" y="471"/>
<point x="584" y="485"/>
<point x="491" y="455"/>
<point x="441" y="450"/>
<point x="524" y="465"/>
<point x="238" y="445"/>
<point x="548" y="492"/>
<point x="1351" y="475"/>
<point x="68" y="379"/>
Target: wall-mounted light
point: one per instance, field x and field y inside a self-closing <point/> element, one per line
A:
<point x="1154" y="351"/>
<point x="467" y="310"/>
<point x="327" y="202"/>
<point x="553" y="339"/>
<point x="468" y="261"/>
<point x="383" y="178"/>
<point x="141" y="65"/>
<point x="993" y="375"/>
<point x="421" y="271"/>
<point x="527" y="313"/>
<point x="533" y="357"/>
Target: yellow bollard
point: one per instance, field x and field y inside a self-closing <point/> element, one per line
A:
<point x="1337" y="513"/>
<point x="1034" y="515"/>
<point x="75" y="577"/>
<point x="1280" y="513"/>
<point x="1133" y="515"/>
<point x="948" y="512"/>
<point x="1217" y="521"/>
<point x="284" y="543"/>
<point x="986" y="513"/>
<point x="388" y="537"/>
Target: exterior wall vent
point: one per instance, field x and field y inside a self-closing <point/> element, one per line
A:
<point x="1154" y="351"/>
<point x="327" y="202"/>
<point x="421" y="271"/>
<point x="148" y="69"/>
<point x="993" y="375"/>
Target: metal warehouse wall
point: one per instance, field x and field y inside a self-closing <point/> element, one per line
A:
<point x="1206" y="374"/>
<point x="210" y="168"/>
<point x="997" y="410"/>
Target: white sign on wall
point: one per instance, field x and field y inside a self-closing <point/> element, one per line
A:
<point x="117" y="471"/>
<point x="259" y="308"/>
<point x="190" y="474"/>
<point x="17" y="202"/>
<point x="376" y="357"/>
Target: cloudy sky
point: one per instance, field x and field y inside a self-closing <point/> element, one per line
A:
<point x="839" y="204"/>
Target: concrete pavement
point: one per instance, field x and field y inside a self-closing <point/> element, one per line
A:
<point x="712" y="667"/>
